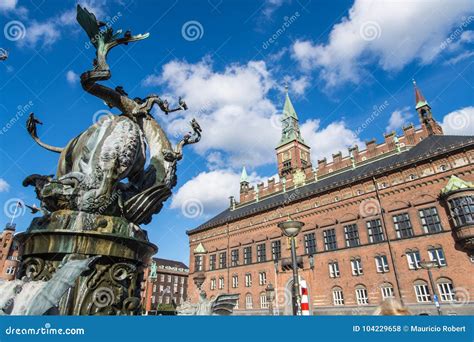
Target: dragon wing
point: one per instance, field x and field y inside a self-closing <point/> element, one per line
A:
<point x="88" y="21"/>
<point x="224" y="304"/>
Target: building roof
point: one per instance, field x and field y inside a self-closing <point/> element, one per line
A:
<point x="169" y="263"/>
<point x="431" y="146"/>
<point x="290" y="130"/>
<point x="420" y="100"/>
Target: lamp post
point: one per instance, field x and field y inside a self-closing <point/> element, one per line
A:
<point x="270" y="293"/>
<point x="428" y="265"/>
<point x="291" y="229"/>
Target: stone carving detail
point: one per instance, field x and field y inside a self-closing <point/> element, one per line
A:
<point x="222" y="305"/>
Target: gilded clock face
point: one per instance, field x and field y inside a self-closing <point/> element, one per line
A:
<point x="286" y="155"/>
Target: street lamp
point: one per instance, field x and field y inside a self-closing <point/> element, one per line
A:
<point x="291" y="229"/>
<point x="270" y="293"/>
<point x="428" y="265"/>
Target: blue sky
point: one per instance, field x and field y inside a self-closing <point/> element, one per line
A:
<point x="230" y="61"/>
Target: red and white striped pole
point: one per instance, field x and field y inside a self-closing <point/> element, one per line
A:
<point x="304" y="298"/>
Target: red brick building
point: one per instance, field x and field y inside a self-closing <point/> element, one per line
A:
<point x="8" y="253"/>
<point x="165" y="287"/>
<point x="371" y="219"/>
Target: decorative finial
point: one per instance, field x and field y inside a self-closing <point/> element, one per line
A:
<point x="286" y="87"/>
<point x="414" y="82"/>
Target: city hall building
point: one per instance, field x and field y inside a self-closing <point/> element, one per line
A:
<point x="395" y="220"/>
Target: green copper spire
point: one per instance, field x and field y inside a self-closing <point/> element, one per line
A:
<point x="244" y="177"/>
<point x="290" y="129"/>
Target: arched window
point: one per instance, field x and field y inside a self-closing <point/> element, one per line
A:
<point x="446" y="290"/>
<point x="362" y="296"/>
<point x="337" y="296"/>
<point x="263" y="301"/>
<point x="422" y="291"/>
<point x="248" y="301"/>
<point x="387" y="291"/>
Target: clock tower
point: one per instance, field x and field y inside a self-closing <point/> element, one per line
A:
<point x="293" y="155"/>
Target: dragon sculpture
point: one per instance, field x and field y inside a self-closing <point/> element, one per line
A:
<point x="102" y="170"/>
<point x="222" y="305"/>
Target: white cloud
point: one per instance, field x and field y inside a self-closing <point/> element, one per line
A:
<point x="72" y="77"/>
<point x="211" y="190"/>
<point x="48" y="32"/>
<point x="459" y="122"/>
<point x="462" y="56"/>
<point x="328" y="140"/>
<point x="298" y="86"/>
<point x="4" y="186"/>
<point x="8" y="5"/>
<point x="231" y="106"/>
<point x="389" y="33"/>
<point x="270" y="6"/>
<point x="398" y="119"/>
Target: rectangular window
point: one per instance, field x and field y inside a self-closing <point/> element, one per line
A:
<point x="413" y="259"/>
<point x="387" y="292"/>
<point x="375" y="231"/>
<point x="10" y="270"/>
<point x="446" y="292"/>
<point x="262" y="278"/>
<point x="162" y="277"/>
<point x="212" y="262"/>
<point x="248" y="301"/>
<point x="422" y="293"/>
<point x="403" y="225"/>
<point x="430" y="220"/>
<point x="234" y="257"/>
<point x="263" y="301"/>
<point x="235" y="281"/>
<point x="356" y="265"/>
<point x="276" y="250"/>
<point x="381" y="263"/>
<point x="223" y="260"/>
<point x="437" y="255"/>
<point x="330" y="242"/>
<point x="247" y="255"/>
<point x="248" y="280"/>
<point x="362" y="296"/>
<point x="352" y="235"/>
<point x="310" y="243"/>
<point x="462" y="209"/>
<point x="198" y="263"/>
<point x="337" y="297"/>
<point x="261" y="253"/>
<point x="334" y="269"/>
<point x="213" y="284"/>
<point x="169" y="278"/>
<point x="221" y="283"/>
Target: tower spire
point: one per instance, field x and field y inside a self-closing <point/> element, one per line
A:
<point x="428" y="123"/>
<point x="292" y="152"/>
<point x="420" y="100"/>
<point x="244" y="177"/>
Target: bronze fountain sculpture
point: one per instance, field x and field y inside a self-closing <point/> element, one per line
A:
<point x="102" y="192"/>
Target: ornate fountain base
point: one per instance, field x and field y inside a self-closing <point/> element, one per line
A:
<point x="112" y="285"/>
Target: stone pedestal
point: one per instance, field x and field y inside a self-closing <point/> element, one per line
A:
<point x="112" y="285"/>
